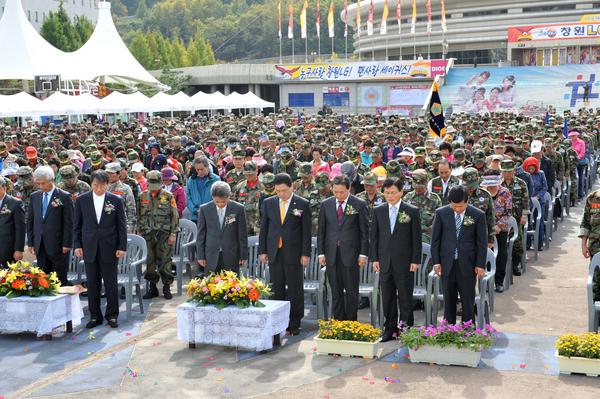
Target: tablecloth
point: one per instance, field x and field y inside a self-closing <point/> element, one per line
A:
<point x="251" y="328"/>
<point x="39" y="315"/>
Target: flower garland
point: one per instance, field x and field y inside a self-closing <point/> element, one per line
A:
<point x="226" y="288"/>
<point x="23" y="279"/>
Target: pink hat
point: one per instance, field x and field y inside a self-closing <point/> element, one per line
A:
<point x="336" y="170"/>
<point x="573" y="133"/>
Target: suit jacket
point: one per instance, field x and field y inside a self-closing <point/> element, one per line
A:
<point x="352" y="234"/>
<point x="56" y="228"/>
<point x="106" y="237"/>
<point x="396" y="250"/>
<point x="12" y="227"/>
<point x="231" y="239"/>
<point x="295" y="231"/>
<point x="471" y="244"/>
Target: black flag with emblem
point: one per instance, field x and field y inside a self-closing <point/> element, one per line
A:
<point x="436" y="113"/>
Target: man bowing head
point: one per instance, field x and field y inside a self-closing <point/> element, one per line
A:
<point x="396" y="254"/>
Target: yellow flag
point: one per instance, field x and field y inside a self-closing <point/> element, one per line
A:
<point x="383" y="29"/>
<point x="303" y="20"/>
<point x="358" y="18"/>
<point x="413" y="25"/>
<point x="331" y="21"/>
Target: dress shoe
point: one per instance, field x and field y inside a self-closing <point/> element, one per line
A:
<point x="517" y="272"/>
<point x="152" y="292"/>
<point x="499" y="288"/>
<point x="113" y="323"/>
<point x="93" y="323"/>
<point x="364" y="303"/>
<point x="387" y="336"/>
<point x="167" y="292"/>
<point x="122" y="295"/>
<point x="294" y="331"/>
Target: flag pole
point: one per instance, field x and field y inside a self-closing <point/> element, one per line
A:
<point x="428" y="45"/>
<point x="346" y="50"/>
<point x="332" y="50"/>
<point x="306" y="49"/>
<point x="280" y="50"/>
<point x="293" y="55"/>
<point x="386" y="48"/>
<point x="414" y="46"/>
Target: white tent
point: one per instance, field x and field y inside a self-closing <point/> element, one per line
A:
<point x="176" y="102"/>
<point x="21" y="104"/>
<point x="117" y="102"/>
<point x="26" y="54"/>
<point x="201" y="101"/>
<point x="256" y="101"/>
<point x="105" y="55"/>
<point x="63" y="104"/>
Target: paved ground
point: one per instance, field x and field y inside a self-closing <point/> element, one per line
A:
<point x="145" y="359"/>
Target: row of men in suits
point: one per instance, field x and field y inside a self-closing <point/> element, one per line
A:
<point x="95" y="228"/>
<point x="345" y="243"/>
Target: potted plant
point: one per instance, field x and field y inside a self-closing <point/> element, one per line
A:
<point x="579" y="353"/>
<point x="347" y="338"/>
<point x="447" y="344"/>
<point x="226" y="288"/>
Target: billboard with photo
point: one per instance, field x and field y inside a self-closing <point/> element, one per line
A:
<point x="409" y="95"/>
<point x="527" y="90"/>
<point x="370" y="96"/>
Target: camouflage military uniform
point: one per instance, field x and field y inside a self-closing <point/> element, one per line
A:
<point x="124" y="191"/>
<point x="427" y="203"/>
<point x="233" y="178"/>
<point x="71" y="184"/>
<point x="24" y="186"/>
<point x="520" y="198"/>
<point x="268" y="189"/>
<point x="590" y="228"/>
<point x="248" y="193"/>
<point x="300" y="188"/>
<point x="573" y="161"/>
<point x="133" y="185"/>
<point x="437" y="187"/>
<point x="317" y="197"/>
<point x="370" y="179"/>
<point x="157" y="220"/>
<point x="480" y="198"/>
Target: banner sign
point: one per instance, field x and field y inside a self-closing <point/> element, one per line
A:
<point x="409" y="95"/>
<point x="353" y="71"/>
<point x="521" y="34"/>
<point x="524" y="90"/>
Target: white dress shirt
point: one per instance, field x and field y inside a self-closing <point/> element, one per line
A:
<point x="390" y="206"/>
<point x="337" y="204"/>
<point x="98" y="204"/>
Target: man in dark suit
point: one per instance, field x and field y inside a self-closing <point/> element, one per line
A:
<point x="458" y="252"/>
<point x="100" y="238"/>
<point x="343" y="245"/>
<point x="285" y="242"/>
<point x="222" y="235"/>
<point x="396" y="254"/>
<point x="12" y="227"/>
<point x="50" y="224"/>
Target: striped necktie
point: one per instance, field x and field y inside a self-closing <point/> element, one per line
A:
<point x="458" y="221"/>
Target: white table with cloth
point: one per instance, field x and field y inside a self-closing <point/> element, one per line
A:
<point x="252" y="328"/>
<point x="39" y="315"/>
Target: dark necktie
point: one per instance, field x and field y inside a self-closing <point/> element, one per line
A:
<point x="340" y="211"/>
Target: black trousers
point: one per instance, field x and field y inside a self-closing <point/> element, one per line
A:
<point x="502" y="239"/>
<point x="291" y="276"/>
<point x="344" y="280"/>
<point x="4" y="262"/>
<point x="56" y="263"/>
<point x="221" y="266"/>
<point x="98" y="271"/>
<point x="458" y="283"/>
<point x="397" y="292"/>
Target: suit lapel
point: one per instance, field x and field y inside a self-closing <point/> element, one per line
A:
<point x="102" y="209"/>
<point x="462" y="226"/>
<point x="344" y="215"/>
<point x="54" y="194"/>
<point x="388" y="227"/>
<point x="453" y="222"/>
<point x="400" y="209"/>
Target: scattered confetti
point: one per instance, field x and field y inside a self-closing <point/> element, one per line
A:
<point x="391" y="380"/>
<point x="522" y="366"/>
<point x="365" y="378"/>
<point x="25" y="349"/>
<point x="132" y="373"/>
<point x="394" y="366"/>
<point x="218" y="369"/>
<point x="128" y="334"/>
<point x="340" y="370"/>
<point x="219" y="379"/>
<point x="372" y="382"/>
<point x="211" y="358"/>
<point x="205" y="364"/>
<point x="226" y="390"/>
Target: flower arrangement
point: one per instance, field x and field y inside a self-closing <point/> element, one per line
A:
<point x="5" y="210"/>
<point x="23" y="279"/>
<point x="226" y="288"/>
<point x="403" y="217"/>
<point x="463" y="335"/>
<point x="350" y="210"/>
<point x="297" y="212"/>
<point x="468" y="221"/>
<point x="56" y="202"/>
<point x="348" y="331"/>
<point x="585" y="345"/>
<point x="109" y="208"/>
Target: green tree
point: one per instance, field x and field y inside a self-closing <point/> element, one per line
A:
<point x="141" y="50"/>
<point x="58" y="30"/>
<point x="84" y="28"/>
<point x="175" y="79"/>
<point x="142" y="10"/>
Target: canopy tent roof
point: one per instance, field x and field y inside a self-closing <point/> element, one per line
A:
<point x="24" y="104"/>
<point x="103" y="56"/>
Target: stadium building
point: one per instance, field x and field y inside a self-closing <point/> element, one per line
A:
<point x="477" y="31"/>
<point x="38" y="10"/>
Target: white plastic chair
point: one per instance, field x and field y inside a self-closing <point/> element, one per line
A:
<point x="185" y="242"/>
<point x="593" y="307"/>
<point x="512" y="238"/>
<point x="130" y="270"/>
<point x="536" y="210"/>
<point x="549" y="222"/>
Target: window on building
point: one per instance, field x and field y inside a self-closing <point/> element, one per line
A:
<point x="29" y="15"/>
<point x="336" y="99"/>
<point x="560" y="7"/>
<point x="299" y="100"/>
<point x="484" y="13"/>
<point x="36" y="16"/>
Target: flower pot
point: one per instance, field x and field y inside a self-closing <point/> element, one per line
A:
<point x="347" y="348"/>
<point x="450" y="355"/>
<point x="581" y="365"/>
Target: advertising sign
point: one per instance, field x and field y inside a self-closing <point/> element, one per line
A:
<point x="360" y="71"/>
<point x="520" y="34"/>
<point x="409" y="95"/>
<point x="370" y="96"/>
<point x="526" y="90"/>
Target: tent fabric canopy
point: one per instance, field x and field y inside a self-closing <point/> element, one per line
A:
<point x="103" y="57"/>
<point x="23" y="104"/>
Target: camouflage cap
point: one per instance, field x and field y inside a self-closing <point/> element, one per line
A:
<point x="322" y="180"/>
<point x="507" y="165"/>
<point x="478" y="155"/>
<point x="420" y="178"/>
<point x="420" y="152"/>
<point x="459" y="154"/>
<point x="268" y="178"/>
<point x="370" y="179"/>
<point x="96" y="158"/>
<point x="435" y="156"/>
<point x="239" y="152"/>
<point x="353" y="153"/>
<point x="24" y="171"/>
<point x="250" y="167"/>
<point x="336" y="144"/>
<point x="132" y="155"/>
<point x="68" y="172"/>
<point x="63" y="157"/>
<point x="376" y="151"/>
<point x="113" y="167"/>
<point x="305" y="169"/>
<point x="471" y="178"/>
<point x="393" y="168"/>
<point x="154" y="178"/>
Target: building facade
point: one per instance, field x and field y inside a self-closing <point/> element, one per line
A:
<point x="37" y="10"/>
<point x="477" y="31"/>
